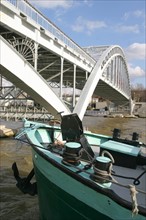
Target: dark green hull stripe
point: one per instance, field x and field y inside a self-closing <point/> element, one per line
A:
<point x="56" y="204"/>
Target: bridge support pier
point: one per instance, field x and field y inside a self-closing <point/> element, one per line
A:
<point x="131" y="107"/>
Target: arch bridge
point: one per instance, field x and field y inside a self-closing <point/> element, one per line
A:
<point x="40" y="59"/>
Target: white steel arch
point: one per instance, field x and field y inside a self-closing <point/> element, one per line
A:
<point x="15" y="68"/>
<point x="106" y="75"/>
<point x="97" y="74"/>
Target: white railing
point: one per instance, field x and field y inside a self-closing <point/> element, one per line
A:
<point x="27" y="9"/>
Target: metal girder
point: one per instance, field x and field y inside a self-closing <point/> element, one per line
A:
<point x="58" y="74"/>
<point x="47" y="66"/>
<point x="45" y="96"/>
<point x="103" y="72"/>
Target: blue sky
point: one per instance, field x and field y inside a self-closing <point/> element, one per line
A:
<point x="106" y="22"/>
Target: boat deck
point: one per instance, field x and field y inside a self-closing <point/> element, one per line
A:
<point x="133" y="174"/>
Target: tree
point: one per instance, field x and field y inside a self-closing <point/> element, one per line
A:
<point x="138" y="93"/>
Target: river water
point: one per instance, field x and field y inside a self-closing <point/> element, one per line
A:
<point x="17" y="206"/>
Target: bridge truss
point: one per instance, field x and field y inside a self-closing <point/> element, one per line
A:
<point x="68" y="69"/>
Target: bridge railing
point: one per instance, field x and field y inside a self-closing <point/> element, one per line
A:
<point x="25" y="7"/>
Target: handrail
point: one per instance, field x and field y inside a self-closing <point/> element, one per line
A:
<point x="25" y="7"/>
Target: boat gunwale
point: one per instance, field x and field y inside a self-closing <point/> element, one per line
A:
<point x="107" y="192"/>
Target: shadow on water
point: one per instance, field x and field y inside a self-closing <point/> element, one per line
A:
<point x="15" y="205"/>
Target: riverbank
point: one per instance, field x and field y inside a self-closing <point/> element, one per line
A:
<point x="92" y="113"/>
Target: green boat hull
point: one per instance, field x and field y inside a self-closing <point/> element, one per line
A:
<point x="62" y="197"/>
<point x="68" y="191"/>
<point x="56" y="204"/>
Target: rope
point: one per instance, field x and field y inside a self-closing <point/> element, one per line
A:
<point x="112" y="160"/>
<point x="113" y="181"/>
<point x="100" y="176"/>
<point x="110" y="156"/>
<point x="106" y="177"/>
<point x="133" y="193"/>
<point x="72" y="158"/>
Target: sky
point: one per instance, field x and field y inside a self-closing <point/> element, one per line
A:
<point x="104" y="22"/>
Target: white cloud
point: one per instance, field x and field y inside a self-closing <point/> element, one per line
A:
<point x="136" y="51"/>
<point x="139" y="14"/>
<point x="136" y="14"/>
<point x="135" y="71"/>
<point x="82" y="25"/>
<point x="138" y="17"/>
<point x="91" y="25"/>
<point x="52" y="4"/>
<point x="89" y="3"/>
<point x="128" y="28"/>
